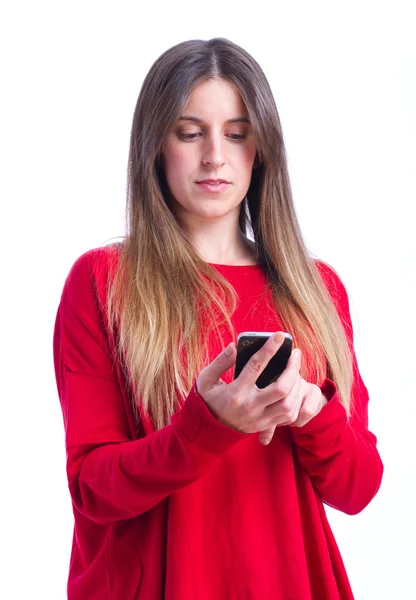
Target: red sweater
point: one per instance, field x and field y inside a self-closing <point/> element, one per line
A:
<point x="197" y="510"/>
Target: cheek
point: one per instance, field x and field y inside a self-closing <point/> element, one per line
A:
<point x="177" y="165"/>
<point x="246" y="167"/>
<point x="246" y="158"/>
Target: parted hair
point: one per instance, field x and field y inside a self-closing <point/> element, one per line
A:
<point x="164" y="300"/>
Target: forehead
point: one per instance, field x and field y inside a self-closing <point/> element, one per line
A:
<point x="215" y="100"/>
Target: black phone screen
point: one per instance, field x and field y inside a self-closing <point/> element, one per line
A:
<point x="249" y="343"/>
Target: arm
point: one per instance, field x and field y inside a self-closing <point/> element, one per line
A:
<point x="112" y="476"/>
<point x="340" y="455"/>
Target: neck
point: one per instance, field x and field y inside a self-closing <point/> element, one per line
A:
<point x="221" y="242"/>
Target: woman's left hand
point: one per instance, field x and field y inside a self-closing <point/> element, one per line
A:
<point x="297" y="405"/>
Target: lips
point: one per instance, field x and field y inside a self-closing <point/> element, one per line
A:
<point x="213" y="185"/>
<point x="213" y="181"/>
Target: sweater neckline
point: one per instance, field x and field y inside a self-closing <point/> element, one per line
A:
<point x="234" y="267"/>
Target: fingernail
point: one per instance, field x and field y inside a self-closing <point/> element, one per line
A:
<point x="278" y="338"/>
<point x="228" y="350"/>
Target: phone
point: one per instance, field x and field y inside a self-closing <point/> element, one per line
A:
<point x="249" y="342"/>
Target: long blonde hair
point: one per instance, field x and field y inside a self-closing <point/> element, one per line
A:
<point x="163" y="294"/>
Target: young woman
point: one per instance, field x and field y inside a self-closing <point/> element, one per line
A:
<point x="188" y="484"/>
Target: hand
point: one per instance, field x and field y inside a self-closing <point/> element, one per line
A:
<point x="301" y="402"/>
<point x="243" y="406"/>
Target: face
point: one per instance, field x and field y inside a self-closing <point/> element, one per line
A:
<point x="212" y="139"/>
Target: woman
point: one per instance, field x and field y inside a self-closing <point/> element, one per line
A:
<point x="187" y="484"/>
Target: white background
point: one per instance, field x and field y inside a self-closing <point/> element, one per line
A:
<point x="343" y="76"/>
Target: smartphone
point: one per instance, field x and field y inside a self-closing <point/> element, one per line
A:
<point x="249" y="342"/>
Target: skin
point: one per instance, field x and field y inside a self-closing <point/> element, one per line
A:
<point x="214" y="148"/>
<point x="243" y="406"/>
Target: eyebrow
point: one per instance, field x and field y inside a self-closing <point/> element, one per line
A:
<point x="196" y="120"/>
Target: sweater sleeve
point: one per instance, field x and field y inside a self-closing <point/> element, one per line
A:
<point x="110" y="475"/>
<point x="340" y="454"/>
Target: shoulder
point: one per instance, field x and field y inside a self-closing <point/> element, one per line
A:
<point x="337" y="292"/>
<point x="333" y="282"/>
<point x="94" y="261"/>
<point x="90" y="273"/>
<point x="82" y="343"/>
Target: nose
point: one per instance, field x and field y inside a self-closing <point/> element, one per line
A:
<point x="214" y="152"/>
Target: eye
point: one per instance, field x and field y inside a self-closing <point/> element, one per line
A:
<point x="191" y="136"/>
<point x="188" y="136"/>
<point x="237" y="136"/>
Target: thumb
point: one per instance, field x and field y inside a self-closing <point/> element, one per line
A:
<point x="221" y="363"/>
<point x="265" y="436"/>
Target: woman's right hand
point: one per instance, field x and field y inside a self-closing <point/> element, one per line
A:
<point x="241" y="404"/>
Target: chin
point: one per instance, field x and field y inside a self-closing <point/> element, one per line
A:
<point x="214" y="214"/>
<point x="220" y="209"/>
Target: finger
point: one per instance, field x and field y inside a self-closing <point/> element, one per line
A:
<point x="312" y="403"/>
<point x="282" y="387"/>
<point x="221" y="363"/>
<point x="266" y="436"/>
<point x="257" y="363"/>
<point x="295" y="359"/>
<point x="286" y="411"/>
<point x="280" y="407"/>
